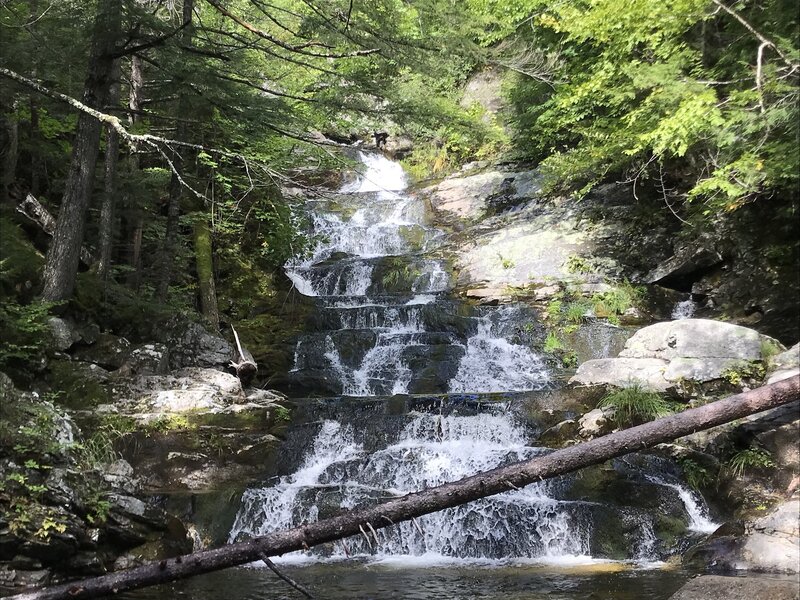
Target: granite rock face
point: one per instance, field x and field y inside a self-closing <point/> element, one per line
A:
<point x="715" y="587"/>
<point x="666" y="355"/>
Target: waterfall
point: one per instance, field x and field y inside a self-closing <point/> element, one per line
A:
<point x="384" y="324"/>
<point x="431" y="449"/>
<point x="371" y="272"/>
<point x="684" y="309"/>
<point x="491" y="364"/>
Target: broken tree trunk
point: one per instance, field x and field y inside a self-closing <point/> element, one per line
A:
<point x="36" y="212"/>
<point x="246" y="367"/>
<point x="434" y="499"/>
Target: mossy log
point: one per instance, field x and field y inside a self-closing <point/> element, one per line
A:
<point x="387" y="514"/>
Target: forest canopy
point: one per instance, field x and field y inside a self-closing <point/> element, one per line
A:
<point x="239" y="100"/>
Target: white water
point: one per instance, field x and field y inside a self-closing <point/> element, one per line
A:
<point x="493" y="364"/>
<point x="373" y="218"/>
<point x="430" y="450"/>
<point x="684" y="309"/>
<point x="695" y="508"/>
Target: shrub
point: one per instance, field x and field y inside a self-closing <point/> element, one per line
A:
<point x="749" y="458"/>
<point x="553" y="343"/>
<point x="636" y="404"/>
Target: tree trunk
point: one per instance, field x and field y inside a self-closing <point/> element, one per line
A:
<point x="175" y="188"/>
<point x="110" y="185"/>
<point x="61" y="266"/>
<point x="407" y="507"/>
<point x="204" y="259"/>
<point x="134" y="234"/>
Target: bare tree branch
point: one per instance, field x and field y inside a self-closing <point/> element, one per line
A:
<point x="300" y="49"/>
<point x="794" y="66"/>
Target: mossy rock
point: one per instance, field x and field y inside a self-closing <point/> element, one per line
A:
<point x="78" y="385"/>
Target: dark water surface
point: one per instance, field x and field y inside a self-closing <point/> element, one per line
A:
<point x="349" y="580"/>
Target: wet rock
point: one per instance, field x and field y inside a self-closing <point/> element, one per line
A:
<point x="596" y="422"/>
<point x="560" y="434"/>
<point x="715" y="587"/>
<point x="397" y="147"/>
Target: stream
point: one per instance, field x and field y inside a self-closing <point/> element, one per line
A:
<point x="406" y="387"/>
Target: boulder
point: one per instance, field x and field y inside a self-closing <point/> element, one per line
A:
<point x="696" y="338"/>
<point x="770" y="544"/>
<point x="193" y="346"/>
<point x="715" y="587"/>
<point x="596" y="422"/>
<point x="109" y="351"/>
<point x="63" y="333"/>
<point x="784" y="365"/>
<point x="773" y="545"/>
<point x="666" y="355"/>
<point x="190" y="389"/>
<point x="147" y="359"/>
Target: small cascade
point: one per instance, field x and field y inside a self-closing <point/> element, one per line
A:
<point x="384" y="323"/>
<point x="684" y="309"/>
<point x="492" y="364"/>
<point x="696" y="510"/>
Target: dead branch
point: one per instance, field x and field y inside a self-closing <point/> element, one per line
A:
<point x="36" y="212"/>
<point x="408" y="507"/>
<point x="285" y="577"/>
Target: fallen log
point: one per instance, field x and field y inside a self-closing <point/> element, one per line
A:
<point x="404" y="508"/>
<point x="36" y="212"/>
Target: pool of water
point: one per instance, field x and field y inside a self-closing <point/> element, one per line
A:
<point x="375" y="581"/>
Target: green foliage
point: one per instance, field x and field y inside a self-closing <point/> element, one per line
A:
<point x="575" y="312"/>
<point x="506" y="263"/>
<point x="646" y="88"/>
<point x="25" y="334"/>
<point x="635" y="404"/>
<point x="696" y="475"/>
<point x="617" y="301"/>
<point x="552" y="343"/>
<point x="752" y="458"/>
<point x="578" y="264"/>
<point x="739" y="374"/>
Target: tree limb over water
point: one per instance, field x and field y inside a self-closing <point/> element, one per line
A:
<point x="434" y="499"/>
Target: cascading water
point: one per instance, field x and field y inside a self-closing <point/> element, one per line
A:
<point x="429" y="450"/>
<point x="385" y="325"/>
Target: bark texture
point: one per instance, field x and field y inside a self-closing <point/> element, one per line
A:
<point x="431" y="500"/>
<point x="204" y="259"/>
<point x="110" y="184"/>
<point x="61" y="266"/>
